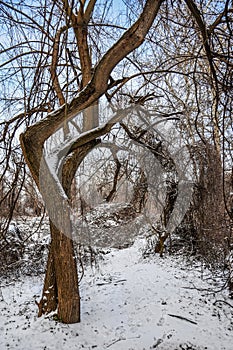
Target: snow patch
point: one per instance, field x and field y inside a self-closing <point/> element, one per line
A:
<point x="126" y="305"/>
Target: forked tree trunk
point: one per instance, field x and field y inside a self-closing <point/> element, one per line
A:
<point x="61" y="281"/>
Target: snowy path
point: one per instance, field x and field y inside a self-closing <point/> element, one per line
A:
<point x="125" y="306"/>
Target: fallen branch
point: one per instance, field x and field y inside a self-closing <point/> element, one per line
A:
<point x="208" y="290"/>
<point x="159" y="341"/>
<point x="110" y="282"/>
<point x="114" y="342"/>
<point x="182" y="318"/>
<point x="117" y="340"/>
<point x="222" y="301"/>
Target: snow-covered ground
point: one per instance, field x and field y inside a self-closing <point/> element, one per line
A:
<point x="129" y="303"/>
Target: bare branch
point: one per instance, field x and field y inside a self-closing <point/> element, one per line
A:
<point x="89" y="10"/>
<point x="53" y="67"/>
<point x="131" y="39"/>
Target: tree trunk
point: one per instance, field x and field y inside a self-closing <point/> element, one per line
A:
<point x="61" y="280"/>
<point x="139" y="195"/>
<point x="66" y="277"/>
<point x="49" y="300"/>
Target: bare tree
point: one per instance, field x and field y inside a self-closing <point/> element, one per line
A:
<point x="53" y="50"/>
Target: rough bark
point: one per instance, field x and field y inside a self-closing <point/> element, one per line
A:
<point x="48" y="302"/>
<point x="66" y="277"/>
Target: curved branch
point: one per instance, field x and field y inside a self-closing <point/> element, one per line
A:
<point x="33" y="139"/>
<point x="21" y="55"/>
